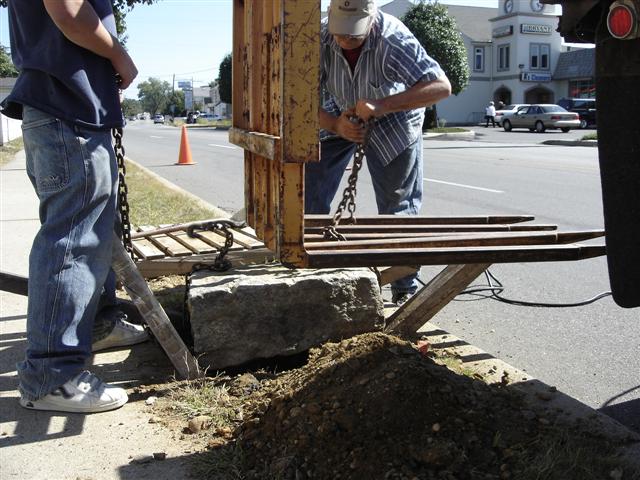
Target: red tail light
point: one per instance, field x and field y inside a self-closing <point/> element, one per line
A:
<point x="622" y="20"/>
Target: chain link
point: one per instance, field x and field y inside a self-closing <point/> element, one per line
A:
<point x="123" y="203"/>
<point x="348" y="201"/>
<point x="220" y="264"/>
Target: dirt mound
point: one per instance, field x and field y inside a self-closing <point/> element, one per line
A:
<point x="374" y="407"/>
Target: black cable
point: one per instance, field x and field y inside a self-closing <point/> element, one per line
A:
<point x="497" y="288"/>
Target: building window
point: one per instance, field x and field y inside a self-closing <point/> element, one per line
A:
<point x="539" y="56"/>
<point x="478" y="59"/>
<point x="582" y="89"/>
<point x="503" y="57"/>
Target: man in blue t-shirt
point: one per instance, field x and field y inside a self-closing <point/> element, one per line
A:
<point x="67" y="95"/>
<point x="373" y="67"/>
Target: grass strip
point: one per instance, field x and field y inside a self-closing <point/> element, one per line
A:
<point x="9" y="150"/>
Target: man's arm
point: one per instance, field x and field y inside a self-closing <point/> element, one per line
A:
<point x="422" y="94"/>
<point x="78" y="21"/>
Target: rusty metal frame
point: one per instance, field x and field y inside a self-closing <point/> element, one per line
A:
<point x="276" y="63"/>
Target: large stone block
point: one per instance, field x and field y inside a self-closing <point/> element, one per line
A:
<point x="263" y="311"/>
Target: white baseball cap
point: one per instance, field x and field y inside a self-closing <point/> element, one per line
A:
<point x="351" y="17"/>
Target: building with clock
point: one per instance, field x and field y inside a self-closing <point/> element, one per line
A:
<point x="515" y="55"/>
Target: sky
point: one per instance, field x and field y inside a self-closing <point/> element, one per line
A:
<point x="186" y="39"/>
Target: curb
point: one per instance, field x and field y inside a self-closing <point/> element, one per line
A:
<point x="572" y="143"/>
<point x="542" y="398"/>
<point x="470" y="135"/>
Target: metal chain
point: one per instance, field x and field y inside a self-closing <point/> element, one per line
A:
<point x="348" y="201"/>
<point x="220" y="264"/>
<point x="123" y="203"/>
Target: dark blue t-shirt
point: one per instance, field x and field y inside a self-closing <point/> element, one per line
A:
<point x="56" y="75"/>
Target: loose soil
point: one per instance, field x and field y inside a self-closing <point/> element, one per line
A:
<point x="377" y="407"/>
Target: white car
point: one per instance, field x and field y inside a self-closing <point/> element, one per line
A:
<point x="158" y="118"/>
<point x="507" y="111"/>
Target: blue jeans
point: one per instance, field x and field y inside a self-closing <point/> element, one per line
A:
<point x="74" y="173"/>
<point x="397" y="186"/>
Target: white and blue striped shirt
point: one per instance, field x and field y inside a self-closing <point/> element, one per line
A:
<point x="392" y="60"/>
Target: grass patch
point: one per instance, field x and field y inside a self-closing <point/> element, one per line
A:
<point x="203" y="396"/>
<point x="590" y="136"/>
<point x="152" y="203"/>
<point x="9" y="150"/>
<point x="447" y="130"/>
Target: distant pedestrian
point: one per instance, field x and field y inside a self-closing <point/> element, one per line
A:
<point x="490" y="115"/>
<point x="67" y="96"/>
<point x="500" y="105"/>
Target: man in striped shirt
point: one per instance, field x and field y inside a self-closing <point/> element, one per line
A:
<point x="374" y="69"/>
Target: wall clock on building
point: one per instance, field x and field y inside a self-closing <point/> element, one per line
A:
<point x="508" y="6"/>
<point x="536" y="6"/>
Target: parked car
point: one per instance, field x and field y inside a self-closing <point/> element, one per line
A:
<point x="507" y="111"/>
<point x="158" y="118"/>
<point x="538" y="118"/>
<point x="585" y="107"/>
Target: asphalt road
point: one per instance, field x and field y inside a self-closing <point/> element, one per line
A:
<point x="590" y="352"/>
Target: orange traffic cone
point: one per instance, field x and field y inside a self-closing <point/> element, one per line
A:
<point x="185" y="150"/>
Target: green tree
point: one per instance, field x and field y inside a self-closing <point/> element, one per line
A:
<point x="224" y="79"/>
<point x="7" y="68"/>
<point x="176" y="98"/>
<point x="440" y="37"/>
<point x="154" y="95"/>
<point x="131" y="106"/>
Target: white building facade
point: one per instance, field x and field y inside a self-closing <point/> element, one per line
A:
<point x="515" y="55"/>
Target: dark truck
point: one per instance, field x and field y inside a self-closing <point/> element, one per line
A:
<point x="614" y="27"/>
<point x="585" y="107"/>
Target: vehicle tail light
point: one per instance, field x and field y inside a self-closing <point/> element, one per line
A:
<point x="556" y="117"/>
<point x="622" y="20"/>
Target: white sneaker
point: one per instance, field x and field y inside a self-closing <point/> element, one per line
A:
<point x="84" y="393"/>
<point x="123" y="334"/>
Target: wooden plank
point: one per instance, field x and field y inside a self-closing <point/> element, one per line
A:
<point x="216" y="240"/>
<point x="144" y="249"/>
<point x="184" y="265"/>
<point x="165" y="243"/>
<point x="246" y="241"/>
<point x="196" y="245"/>
<point x="423" y="306"/>
<point x="259" y="143"/>
<point x="153" y="314"/>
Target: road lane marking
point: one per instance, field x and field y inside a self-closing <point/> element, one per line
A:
<point x="154" y="136"/>
<point x="462" y="185"/>
<point x="221" y="146"/>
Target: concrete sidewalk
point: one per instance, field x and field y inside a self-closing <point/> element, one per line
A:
<point x="57" y="446"/>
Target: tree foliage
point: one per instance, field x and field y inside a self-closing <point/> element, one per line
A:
<point x="131" y="106"/>
<point x="154" y="95"/>
<point x="440" y="37"/>
<point x="224" y="79"/>
<point x="176" y="98"/>
<point x="7" y="68"/>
